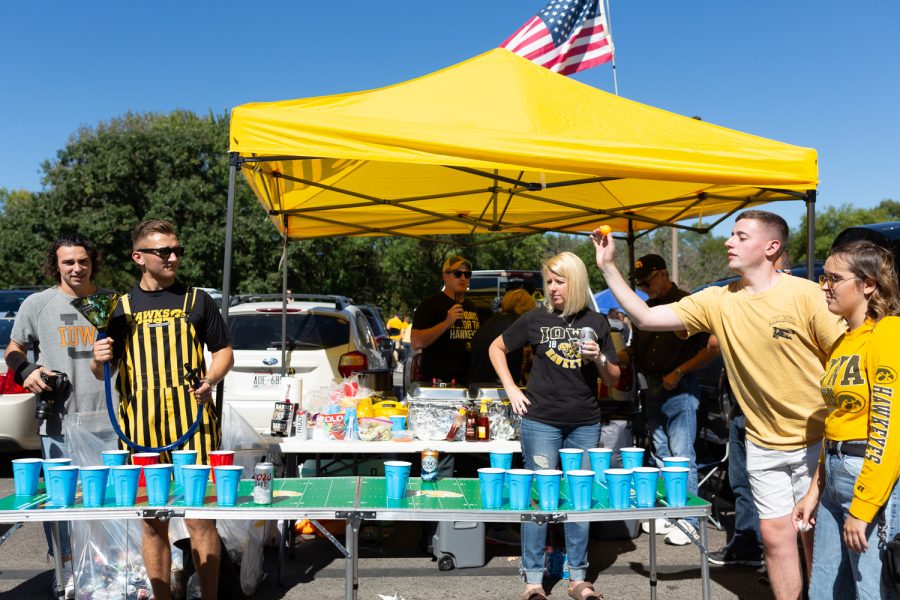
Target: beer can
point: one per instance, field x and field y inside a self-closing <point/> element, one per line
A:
<point x="429" y="465"/>
<point x="585" y="334"/>
<point x="263" y="474"/>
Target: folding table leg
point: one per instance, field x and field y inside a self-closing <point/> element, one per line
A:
<point x="351" y="575"/>
<point x="704" y="560"/>
<point x="652" y="559"/>
<point x="57" y="559"/>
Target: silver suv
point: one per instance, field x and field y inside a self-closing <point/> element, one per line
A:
<point x="328" y="338"/>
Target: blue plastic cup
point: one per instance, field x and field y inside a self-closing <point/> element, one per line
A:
<point x="618" y="482"/>
<point x="520" y="488"/>
<point x="677" y="461"/>
<point x="548" y="488"/>
<point x="632" y="457"/>
<point x="398" y="423"/>
<point x="63" y="483"/>
<point x="125" y="483"/>
<point x="181" y="458"/>
<point x="194" y="479"/>
<point x="158" y="478"/>
<point x="502" y="459"/>
<point x="52" y="462"/>
<point x="645" y="486"/>
<point x="570" y="459"/>
<point x="491" y="480"/>
<point x="93" y="486"/>
<point x="114" y="458"/>
<point x="396" y="475"/>
<point x="675" y="480"/>
<point x="227" y="479"/>
<point x="600" y="458"/>
<point x="26" y="472"/>
<point x="581" y="486"/>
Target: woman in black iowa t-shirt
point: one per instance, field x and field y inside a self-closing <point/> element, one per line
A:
<point x="559" y="405"/>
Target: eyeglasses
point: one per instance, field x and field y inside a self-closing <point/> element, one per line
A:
<point x="647" y="281"/>
<point x="164" y="253"/>
<point x="832" y="280"/>
<point x="458" y="274"/>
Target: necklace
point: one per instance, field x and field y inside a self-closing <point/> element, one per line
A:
<point x="568" y="323"/>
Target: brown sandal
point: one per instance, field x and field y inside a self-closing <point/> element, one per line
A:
<point x="576" y="592"/>
<point x="534" y="595"/>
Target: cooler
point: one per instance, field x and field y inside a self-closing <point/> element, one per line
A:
<point x="459" y="544"/>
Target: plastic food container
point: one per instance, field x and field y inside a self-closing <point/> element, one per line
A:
<point x="375" y="430"/>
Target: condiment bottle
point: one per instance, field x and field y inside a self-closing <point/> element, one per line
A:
<point x="484" y="424"/>
<point x="471" y="424"/>
<point x="458" y="421"/>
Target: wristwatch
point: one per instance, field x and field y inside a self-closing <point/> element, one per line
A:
<point x="602" y="358"/>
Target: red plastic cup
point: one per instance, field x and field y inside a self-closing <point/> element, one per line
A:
<point x="144" y="458"/>
<point x="217" y="458"/>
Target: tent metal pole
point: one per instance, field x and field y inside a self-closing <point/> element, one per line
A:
<point x="284" y="299"/>
<point x="631" y="252"/>
<point x="810" y="234"/>
<point x="233" y="164"/>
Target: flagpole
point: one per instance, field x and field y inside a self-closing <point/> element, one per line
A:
<point x="609" y="26"/>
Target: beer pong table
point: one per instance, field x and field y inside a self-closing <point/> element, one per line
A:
<point x="358" y="499"/>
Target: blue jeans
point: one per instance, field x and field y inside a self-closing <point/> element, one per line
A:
<point x="837" y="572"/>
<point x="746" y="517"/>
<point x="54" y="446"/>
<point x="540" y="450"/>
<point x="672" y="423"/>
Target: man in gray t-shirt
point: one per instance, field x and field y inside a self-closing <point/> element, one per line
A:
<point x="62" y="340"/>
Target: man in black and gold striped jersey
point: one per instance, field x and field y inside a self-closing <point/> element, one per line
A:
<point x="156" y="334"/>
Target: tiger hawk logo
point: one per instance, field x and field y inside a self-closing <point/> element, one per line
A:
<point x="885" y="375"/>
<point x="780" y="332"/>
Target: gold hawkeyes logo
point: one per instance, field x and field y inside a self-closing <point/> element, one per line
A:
<point x="885" y="375"/>
<point x="850" y="402"/>
<point x="568" y="349"/>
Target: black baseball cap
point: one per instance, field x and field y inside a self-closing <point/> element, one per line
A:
<point x="645" y="266"/>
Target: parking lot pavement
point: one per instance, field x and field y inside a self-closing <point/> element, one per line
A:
<point x="394" y="564"/>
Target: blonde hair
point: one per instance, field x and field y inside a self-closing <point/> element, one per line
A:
<point x="517" y="301"/>
<point x="867" y="260"/>
<point x="572" y="269"/>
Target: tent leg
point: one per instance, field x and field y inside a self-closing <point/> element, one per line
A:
<point x="810" y="234"/>
<point x="233" y="164"/>
<point x="284" y="299"/>
<point x="631" y="252"/>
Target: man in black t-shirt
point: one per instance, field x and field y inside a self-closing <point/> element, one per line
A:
<point x="444" y="325"/>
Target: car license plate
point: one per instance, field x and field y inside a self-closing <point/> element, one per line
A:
<point x="266" y="380"/>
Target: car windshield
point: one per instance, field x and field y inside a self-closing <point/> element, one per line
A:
<point x="262" y="331"/>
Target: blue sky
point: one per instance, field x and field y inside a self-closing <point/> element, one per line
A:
<point x="819" y="73"/>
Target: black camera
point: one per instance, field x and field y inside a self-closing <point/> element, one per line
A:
<point x="59" y="385"/>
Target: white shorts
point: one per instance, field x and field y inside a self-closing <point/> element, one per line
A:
<point x="780" y="478"/>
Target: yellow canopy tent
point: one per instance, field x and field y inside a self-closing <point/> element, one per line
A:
<point x="499" y="144"/>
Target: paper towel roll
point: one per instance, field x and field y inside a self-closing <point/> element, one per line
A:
<point x="292" y="389"/>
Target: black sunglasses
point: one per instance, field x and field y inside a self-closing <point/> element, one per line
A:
<point x="458" y="274"/>
<point x="164" y="253"/>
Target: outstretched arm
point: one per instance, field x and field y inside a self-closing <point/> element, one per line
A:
<point x="656" y="318"/>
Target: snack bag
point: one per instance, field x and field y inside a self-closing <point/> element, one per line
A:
<point x="334" y="425"/>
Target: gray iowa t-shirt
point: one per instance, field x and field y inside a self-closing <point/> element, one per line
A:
<point x="63" y="341"/>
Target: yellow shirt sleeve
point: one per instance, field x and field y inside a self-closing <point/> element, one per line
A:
<point x="881" y="466"/>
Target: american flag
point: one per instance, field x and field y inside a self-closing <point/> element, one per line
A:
<point x="566" y="36"/>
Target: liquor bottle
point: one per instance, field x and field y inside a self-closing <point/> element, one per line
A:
<point x="484" y="424"/>
<point x="471" y="424"/>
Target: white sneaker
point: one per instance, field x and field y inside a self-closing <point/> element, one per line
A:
<point x="662" y="526"/>
<point x="677" y="537"/>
